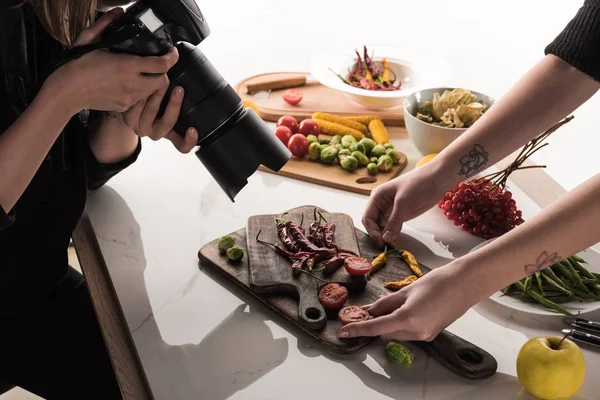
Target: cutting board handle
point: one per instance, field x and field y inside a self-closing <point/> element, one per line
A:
<point x="460" y="356"/>
<point x="311" y="313"/>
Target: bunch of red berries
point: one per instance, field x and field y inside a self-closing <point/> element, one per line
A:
<point x="481" y="209"/>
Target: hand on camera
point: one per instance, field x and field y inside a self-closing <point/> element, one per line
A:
<point x="127" y="84"/>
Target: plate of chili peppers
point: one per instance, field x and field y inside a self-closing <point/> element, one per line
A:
<point x="569" y="286"/>
<point x="379" y="76"/>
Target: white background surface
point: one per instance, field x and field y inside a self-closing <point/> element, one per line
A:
<point x="198" y="338"/>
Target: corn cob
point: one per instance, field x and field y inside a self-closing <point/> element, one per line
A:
<point x="378" y="132"/>
<point x="400" y="284"/>
<point x="363" y="119"/>
<point x="332" y="129"/>
<point x="339" y="120"/>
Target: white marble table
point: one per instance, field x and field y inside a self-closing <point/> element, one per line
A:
<point x="199" y="338"/>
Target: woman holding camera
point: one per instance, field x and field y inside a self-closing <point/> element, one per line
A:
<point x="64" y="131"/>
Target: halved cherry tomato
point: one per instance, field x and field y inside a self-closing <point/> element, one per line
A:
<point x="290" y="122"/>
<point x="284" y="134"/>
<point x="350" y="314"/>
<point x="292" y="96"/>
<point x="298" y="145"/>
<point x="309" y="127"/>
<point x="357" y="266"/>
<point x="333" y="296"/>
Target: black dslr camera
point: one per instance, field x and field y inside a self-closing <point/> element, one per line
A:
<point x="233" y="141"/>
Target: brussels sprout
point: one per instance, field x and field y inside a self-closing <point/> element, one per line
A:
<point x="324" y="146"/>
<point x="344" y="153"/>
<point x="359" y="147"/>
<point x="337" y="139"/>
<point x="349" y="163"/>
<point x="368" y="143"/>
<point x="393" y="155"/>
<point x="362" y="159"/>
<point x="235" y="253"/>
<point x="328" y="154"/>
<point x="374" y="160"/>
<point x="388" y="146"/>
<point x="324" y="141"/>
<point x="225" y="242"/>
<point x="314" y="151"/>
<point x="399" y="354"/>
<point x="378" y="151"/>
<point x="348" y="141"/>
<point x="385" y="163"/>
<point x="372" y="168"/>
<point x="312" y="139"/>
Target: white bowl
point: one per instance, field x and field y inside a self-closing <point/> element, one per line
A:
<point x="426" y="137"/>
<point x="416" y="70"/>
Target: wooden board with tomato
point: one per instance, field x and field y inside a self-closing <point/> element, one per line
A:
<point x="298" y="137"/>
<point x="282" y="298"/>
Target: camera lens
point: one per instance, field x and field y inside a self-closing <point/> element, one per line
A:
<point x="233" y="141"/>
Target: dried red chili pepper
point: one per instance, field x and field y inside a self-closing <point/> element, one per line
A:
<point x="284" y="236"/>
<point x="305" y="244"/>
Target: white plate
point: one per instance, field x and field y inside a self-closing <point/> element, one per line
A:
<point x="418" y="70"/>
<point x="593" y="264"/>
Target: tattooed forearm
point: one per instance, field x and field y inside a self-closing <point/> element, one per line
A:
<point x="544" y="260"/>
<point x="473" y="162"/>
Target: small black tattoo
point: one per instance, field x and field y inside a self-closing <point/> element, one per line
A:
<point x="544" y="260"/>
<point x="473" y="162"/>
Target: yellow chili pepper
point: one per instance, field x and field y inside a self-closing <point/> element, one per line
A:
<point x="386" y="72"/>
<point x="368" y="75"/>
<point x="412" y="262"/>
<point x="400" y="284"/>
<point x="378" y="262"/>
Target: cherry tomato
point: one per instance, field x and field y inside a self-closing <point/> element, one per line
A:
<point x="298" y="145"/>
<point x="333" y="296"/>
<point x="357" y="266"/>
<point x="292" y="96"/>
<point x="290" y="122"/>
<point x="284" y="134"/>
<point x="309" y="127"/>
<point x="350" y="314"/>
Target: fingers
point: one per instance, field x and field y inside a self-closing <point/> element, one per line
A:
<point x="374" y="327"/>
<point x="393" y="227"/>
<point x="386" y="304"/>
<point x="184" y="144"/>
<point x="369" y="220"/>
<point x="147" y="118"/>
<point x="152" y="65"/>
<point x="92" y="34"/>
<point x="169" y="118"/>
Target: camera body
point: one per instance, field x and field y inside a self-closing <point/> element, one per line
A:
<point x="233" y="141"/>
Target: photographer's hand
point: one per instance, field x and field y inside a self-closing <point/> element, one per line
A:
<point x="131" y="89"/>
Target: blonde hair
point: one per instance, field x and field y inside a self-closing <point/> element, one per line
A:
<point x="65" y="19"/>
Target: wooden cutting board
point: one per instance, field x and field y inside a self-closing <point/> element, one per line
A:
<point x="456" y="354"/>
<point x="269" y="275"/>
<point x="317" y="97"/>
<point x="359" y="181"/>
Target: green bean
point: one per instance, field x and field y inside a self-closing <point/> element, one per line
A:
<point x="549" y="303"/>
<point x="557" y="285"/>
<point x="578" y="259"/>
<point x="597" y="275"/>
<point x="585" y="295"/>
<point x="560" y="269"/>
<point x="582" y="270"/>
<point x="586" y="281"/>
<point x="527" y="284"/>
<point x="571" y="269"/>
<point x="538" y="278"/>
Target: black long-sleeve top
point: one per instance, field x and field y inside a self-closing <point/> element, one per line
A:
<point x="35" y="234"/>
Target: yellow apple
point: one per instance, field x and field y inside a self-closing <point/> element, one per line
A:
<point x="550" y="369"/>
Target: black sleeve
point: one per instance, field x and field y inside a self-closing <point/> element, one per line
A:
<point x="579" y="42"/>
<point x="98" y="173"/>
<point x="6" y="219"/>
